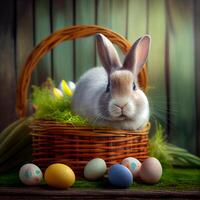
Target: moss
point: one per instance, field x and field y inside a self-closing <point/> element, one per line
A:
<point x="49" y="107"/>
<point x="174" y="179"/>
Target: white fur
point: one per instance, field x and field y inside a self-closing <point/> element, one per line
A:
<point x="123" y="112"/>
<point x="86" y="97"/>
<point x="88" y="91"/>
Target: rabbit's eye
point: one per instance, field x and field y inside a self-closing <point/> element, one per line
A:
<point x="134" y="86"/>
<point x="108" y="87"/>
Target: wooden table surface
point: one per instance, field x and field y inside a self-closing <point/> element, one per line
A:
<point x="75" y="193"/>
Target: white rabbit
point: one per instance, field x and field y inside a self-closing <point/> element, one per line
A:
<point x="110" y="95"/>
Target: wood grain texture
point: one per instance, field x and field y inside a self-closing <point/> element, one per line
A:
<point x="84" y="48"/>
<point x="103" y="13"/>
<point x="197" y="70"/>
<point x="119" y="16"/>
<point x="119" y="19"/>
<point x="75" y="193"/>
<point x="24" y="31"/>
<point x="137" y="19"/>
<point x="24" y="36"/>
<point x="7" y="63"/>
<point x="182" y="73"/>
<point x="156" y="61"/>
<point x="103" y="19"/>
<point x="42" y="30"/>
<point x="62" y="14"/>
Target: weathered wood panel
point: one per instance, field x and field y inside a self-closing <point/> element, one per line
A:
<point x="119" y="21"/>
<point x="7" y="63"/>
<point x="156" y="61"/>
<point x="24" y="32"/>
<point x="137" y="19"/>
<point x="197" y="70"/>
<point x="103" y="19"/>
<point x="24" y="35"/>
<point x="62" y="15"/>
<point x="42" y="30"/>
<point x="84" y="48"/>
<point x="103" y="13"/>
<point x="119" y="16"/>
<point x="45" y="193"/>
<point x="182" y="73"/>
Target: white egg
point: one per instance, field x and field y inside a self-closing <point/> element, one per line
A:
<point x="95" y="169"/>
<point x="151" y="170"/>
<point x="133" y="165"/>
<point x="30" y="174"/>
<point x="72" y="85"/>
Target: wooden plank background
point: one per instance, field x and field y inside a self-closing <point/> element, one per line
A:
<point x="173" y="64"/>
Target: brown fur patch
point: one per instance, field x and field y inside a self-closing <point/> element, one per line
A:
<point x="121" y="83"/>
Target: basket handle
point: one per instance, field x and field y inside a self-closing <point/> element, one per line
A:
<point x="52" y="41"/>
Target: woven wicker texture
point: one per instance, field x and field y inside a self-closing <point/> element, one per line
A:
<point x="75" y="146"/>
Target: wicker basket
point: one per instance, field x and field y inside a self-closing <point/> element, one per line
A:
<point x="75" y="146"/>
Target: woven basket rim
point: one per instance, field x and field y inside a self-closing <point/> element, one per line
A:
<point x="53" y="125"/>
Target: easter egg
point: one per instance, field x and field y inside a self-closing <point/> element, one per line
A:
<point x="72" y="85"/>
<point x="151" y="170"/>
<point x="59" y="176"/>
<point x="30" y="174"/>
<point x="120" y="176"/>
<point x="95" y="169"/>
<point x="57" y="93"/>
<point x="133" y="165"/>
<point x="65" y="88"/>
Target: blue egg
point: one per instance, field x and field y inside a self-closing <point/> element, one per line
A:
<point x="120" y="176"/>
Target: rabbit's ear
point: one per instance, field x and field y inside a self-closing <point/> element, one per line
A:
<point x="107" y="53"/>
<point x="137" y="55"/>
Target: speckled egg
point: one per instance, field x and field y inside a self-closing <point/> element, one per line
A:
<point x="120" y="176"/>
<point x="151" y="170"/>
<point x="30" y="174"/>
<point x="133" y="165"/>
<point x="95" y="169"/>
<point x="59" y="176"/>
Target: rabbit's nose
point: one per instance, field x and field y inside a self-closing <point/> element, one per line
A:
<point x="121" y="106"/>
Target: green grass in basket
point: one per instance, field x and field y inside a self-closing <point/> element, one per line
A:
<point x="52" y="108"/>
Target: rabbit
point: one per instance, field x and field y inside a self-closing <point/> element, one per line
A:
<point x="110" y="96"/>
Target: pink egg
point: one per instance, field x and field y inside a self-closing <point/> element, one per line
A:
<point x="151" y="170"/>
